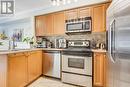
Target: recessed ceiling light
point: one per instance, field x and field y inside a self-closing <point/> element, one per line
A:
<point x="64" y="2"/>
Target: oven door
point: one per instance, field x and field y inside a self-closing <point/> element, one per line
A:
<point x="74" y="27"/>
<point x="77" y="64"/>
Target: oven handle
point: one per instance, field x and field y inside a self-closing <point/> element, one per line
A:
<point x="77" y="54"/>
<point x="81" y="57"/>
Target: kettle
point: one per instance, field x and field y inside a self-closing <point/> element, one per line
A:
<point x="102" y="46"/>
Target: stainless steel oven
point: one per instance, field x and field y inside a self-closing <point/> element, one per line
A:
<point x="77" y="68"/>
<point x="78" y="25"/>
<point x="77" y="63"/>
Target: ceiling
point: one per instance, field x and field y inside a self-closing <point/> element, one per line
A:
<point x="28" y="8"/>
<point x="26" y="5"/>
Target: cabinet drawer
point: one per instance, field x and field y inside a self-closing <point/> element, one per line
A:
<point x="16" y="54"/>
<point x="77" y="79"/>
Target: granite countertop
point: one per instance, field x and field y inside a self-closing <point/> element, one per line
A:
<point x="44" y="49"/>
<point x="18" y="51"/>
<point x="26" y="50"/>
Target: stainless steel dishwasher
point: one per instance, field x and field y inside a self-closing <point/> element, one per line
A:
<point x="52" y="64"/>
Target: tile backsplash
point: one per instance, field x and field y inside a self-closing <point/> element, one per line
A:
<point x="93" y="37"/>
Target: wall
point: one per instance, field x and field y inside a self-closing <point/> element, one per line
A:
<point x="26" y="24"/>
<point x="1" y="30"/>
<point x="93" y="37"/>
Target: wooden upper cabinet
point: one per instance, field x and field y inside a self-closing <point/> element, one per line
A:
<point x="54" y="23"/>
<point x="58" y="23"/>
<point x="44" y="25"/>
<point x="78" y="13"/>
<point x="99" y="69"/>
<point x="40" y="25"/>
<point x="49" y="24"/>
<point x="98" y="18"/>
<point x="17" y="70"/>
<point x="71" y="14"/>
<point x="85" y="12"/>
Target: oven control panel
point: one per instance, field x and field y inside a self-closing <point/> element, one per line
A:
<point x="79" y="43"/>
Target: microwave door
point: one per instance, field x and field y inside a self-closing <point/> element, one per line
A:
<point x="74" y="27"/>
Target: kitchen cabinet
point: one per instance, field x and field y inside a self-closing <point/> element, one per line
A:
<point x="23" y="68"/>
<point x="54" y="23"/>
<point x="71" y="14"/>
<point x="85" y="12"/>
<point x="78" y="13"/>
<point x="99" y="69"/>
<point x="59" y="23"/>
<point x="47" y="62"/>
<point x="98" y="18"/>
<point x="34" y="65"/>
<point x="49" y="24"/>
<point x="17" y="70"/>
<point x="44" y="25"/>
<point x="40" y="25"/>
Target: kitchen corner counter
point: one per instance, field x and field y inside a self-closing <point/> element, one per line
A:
<point x="44" y="49"/>
<point x="98" y="51"/>
<point x="27" y="50"/>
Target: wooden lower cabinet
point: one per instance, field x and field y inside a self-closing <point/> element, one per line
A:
<point x="23" y="68"/>
<point x="99" y="70"/>
<point x="17" y="70"/>
<point x="34" y="65"/>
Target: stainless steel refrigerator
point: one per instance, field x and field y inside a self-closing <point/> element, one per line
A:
<point x="118" y="26"/>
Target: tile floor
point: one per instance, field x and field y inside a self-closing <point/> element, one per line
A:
<point x="49" y="82"/>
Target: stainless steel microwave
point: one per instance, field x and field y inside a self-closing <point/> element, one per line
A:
<point x="79" y="25"/>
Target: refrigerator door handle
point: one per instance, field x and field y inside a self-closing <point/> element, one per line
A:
<point x="110" y="41"/>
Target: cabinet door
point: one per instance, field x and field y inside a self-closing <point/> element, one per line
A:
<point x="17" y="70"/>
<point x="34" y="65"/>
<point x="40" y="25"/>
<point x="39" y="62"/>
<point x="71" y="14"/>
<point x="98" y="19"/>
<point x="59" y="23"/>
<point x="99" y="69"/>
<point x="47" y="63"/>
<point x="85" y="12"/>
<point x="49" y="24"/>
